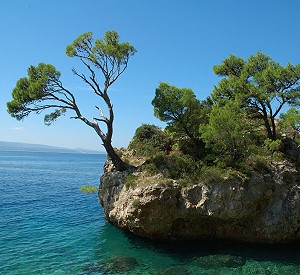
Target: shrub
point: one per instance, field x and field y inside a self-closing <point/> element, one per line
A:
<point x="260" y="163"/>
<point x="272" y="145"/>
<point x="150" y="168"/>
<point x="150" y="139"/>
<point x="228" y="133"/>
<point x="131" y="181"/>
<point x="87" y="189"/>
<point x="191" y="147"/>
<point x="172" y="166"/>
<point x="211" y="174"/>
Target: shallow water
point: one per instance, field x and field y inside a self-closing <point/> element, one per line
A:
<point x="48" y="227"/>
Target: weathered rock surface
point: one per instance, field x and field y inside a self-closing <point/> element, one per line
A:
<point x="264" y="208"/>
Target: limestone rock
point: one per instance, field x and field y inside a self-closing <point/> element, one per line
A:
<point x="264" y="208"/>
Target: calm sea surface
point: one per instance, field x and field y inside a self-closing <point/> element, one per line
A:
<point x="48" y="227"/>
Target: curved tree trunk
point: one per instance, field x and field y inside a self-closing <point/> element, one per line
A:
<point x="119" y="164"/>
<point x="274" y="134"/>
<point x="269" y="128"/>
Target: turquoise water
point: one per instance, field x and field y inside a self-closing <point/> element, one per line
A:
<point x="48" y="227"/>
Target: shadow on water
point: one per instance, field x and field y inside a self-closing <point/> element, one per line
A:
<point x="185" y="250"/>
<point x="118" y="251"/>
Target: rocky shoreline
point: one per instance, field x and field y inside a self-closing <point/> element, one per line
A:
<point x="265" y="208"/>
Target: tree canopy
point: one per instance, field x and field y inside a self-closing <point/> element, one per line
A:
<point x="42" y="89"/>
<point x="228" y="132"/>
<point x="261" y="85"/>
<point x="180" y="108"/>
<point x="291" y="119"/>
<point x="149" y="140"/>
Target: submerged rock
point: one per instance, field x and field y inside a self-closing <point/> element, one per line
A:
<point x="219" y="261"/>
<point x="119" y="264"/>
<point x="263" y="209"/>
<point x="114" y="265"/>
<point x="92" y="268"/>
<point x="176" y="270"/>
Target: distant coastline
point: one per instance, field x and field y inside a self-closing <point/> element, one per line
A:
<point x="28" y="147"/>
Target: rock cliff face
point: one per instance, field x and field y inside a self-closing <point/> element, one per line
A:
<point x="264" y="208"/>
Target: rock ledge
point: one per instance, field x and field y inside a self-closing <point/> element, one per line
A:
<point x="262" y="209"/>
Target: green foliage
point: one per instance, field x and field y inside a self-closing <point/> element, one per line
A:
<point x="43" y="90"/>
<point x="260" y="85"/>
<point x="180" y="109"/>
<point x="149" y="139"/>
<point x="190" y="147"/>
<point x="272" y="145"/>
<point x="231" y="66"/>
<point x="131" y="181"/>
<point x="150" y="167"/>
<point x="172" y="166"/>
<point x="107" y="54"/>
<point x="50" y="118"/>
<point x="251" y="94"/>
<point x="278" y="156"/>
<point x="170" y="103"/>
<point x="81" y="44"/>
<point x="87" y="189"/>
<point x="260" y="163"/>
<point x="228" y="132"/>
<point x="33" y="89"/>
<point x="215" y="174"/>
<point x="110" y="46"/>
<point x="273" y="149"/>
<point x="291" y="119"/>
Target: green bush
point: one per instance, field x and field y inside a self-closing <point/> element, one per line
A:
<point x="272" y="145"/>
<point x="259" y="163"/>
<point x="193" y="148"/>
<point x="87" y="189"/>
<point x="211" y="174"/>
<point x="228" y="133"/>
<point x="131" y="181"/>
<point x="150" y="168"/>
<point x="172" y="166"/>
<point x="150" y="139"/>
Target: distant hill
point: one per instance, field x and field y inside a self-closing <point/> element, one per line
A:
<point x="20" y="146"/>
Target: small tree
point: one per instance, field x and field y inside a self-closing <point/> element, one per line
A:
<point x="43" y="89"/>
<point x="228" y="132"/>
<point x="149" y="140"/>
<point x="180" y="108"/>
<point x="261" y="86"/>
<point x="291" y="119"/>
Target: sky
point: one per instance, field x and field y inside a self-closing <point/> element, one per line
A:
<point x="177" y="41"/>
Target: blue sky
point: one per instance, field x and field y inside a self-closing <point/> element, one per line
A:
<point x="177" y="41"/>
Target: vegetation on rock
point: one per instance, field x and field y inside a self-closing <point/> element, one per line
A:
<point x="240" y="124"/>
<point x="87" y="189"/>
<point x="241" y="127"/>
<point x="149" y="140"/>
<point x="221" y="169"/>
<point x="260" y="85"/>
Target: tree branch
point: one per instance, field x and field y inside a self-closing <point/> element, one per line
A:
<point x="93" y="79"/>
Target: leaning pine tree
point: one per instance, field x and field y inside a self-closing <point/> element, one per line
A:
<point x="262" y="86"/>
<point x="43" y="89"/>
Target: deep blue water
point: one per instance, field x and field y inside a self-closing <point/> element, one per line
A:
<point x="48" y="227"/>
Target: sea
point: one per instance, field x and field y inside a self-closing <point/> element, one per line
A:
<point x="47" y="226"/>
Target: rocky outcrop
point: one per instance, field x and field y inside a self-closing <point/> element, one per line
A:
<point x="264" y="208"/>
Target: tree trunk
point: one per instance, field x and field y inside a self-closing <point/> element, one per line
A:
<point x="274" y="135"/>
<point x="268" y="126"/>
<point x="119" y="164"/>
